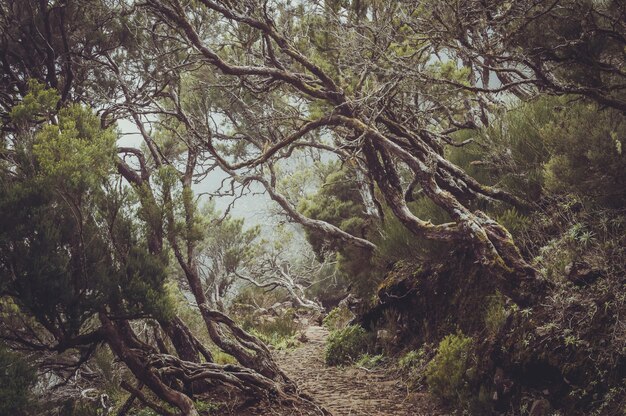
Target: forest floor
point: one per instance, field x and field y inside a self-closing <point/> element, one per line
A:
<point x="350" y="391"/>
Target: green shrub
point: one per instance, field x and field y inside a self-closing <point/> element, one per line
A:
<point x="338" y="318"/>
<point x="412" y="365"/>
<point x="345" y="346"/>
<point x="220" y="357"/>
<point x="206" y="408"/>
<point x="277" y="331"/>
<point x="513" y="221"/>
<point x="283" y="326"/>
<point x="495" y="314"/>
<point x="370" y="361"/>
<point x="445" y="374"/>
<point x="395" y="242"/>
<point x="411" y="360"/>
<point x="17" y="377"/>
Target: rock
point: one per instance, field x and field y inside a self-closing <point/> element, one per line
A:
<point x="582" y="273"/>
<point x="503" y="386"/>
<point x="540" y="407"/>
<point x="502" y="383"/>
<point x="384" y="337"/>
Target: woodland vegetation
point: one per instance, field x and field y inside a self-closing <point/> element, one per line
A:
<point x="456" y="166"/>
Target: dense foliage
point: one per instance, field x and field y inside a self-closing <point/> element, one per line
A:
<point x="453" y="174"/>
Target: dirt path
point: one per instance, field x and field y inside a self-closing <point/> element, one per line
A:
<point x="349" y="391"/>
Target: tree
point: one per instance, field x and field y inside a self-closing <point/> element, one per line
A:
<point x="365" y="124"/>
<point x="17" y="376"/>
<point x="244" y="87"/>
<point x="225" y="250"/>
<point x="75" y="263"/>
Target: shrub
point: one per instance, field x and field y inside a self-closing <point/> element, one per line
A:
<point x="277" y="331"/>
<point x="207" y="408"/>
<point x="283" y="326"/>
<point x="513" y="221"/>
<point x="411" y="360"/>
<point x="17" y="377"/>
<point x="445" y="373"/>
<point x="220" y="357"/>
<point x="345" y="346"/>
<point x="338" y="318"/>
<point x="412" y="364"/>
<point x="395" y="242"/>
<point x="370" y="361"/>
<point x="495" y="314"/>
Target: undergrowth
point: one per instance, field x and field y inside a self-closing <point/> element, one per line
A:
<point x="345" y="346"/>
<point x="446" y="372"/>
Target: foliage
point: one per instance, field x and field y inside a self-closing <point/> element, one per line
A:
<point x="370" y="361"/>
<point x="410" y="359"/>
<point x="39" y="104"/>
<point x="75" y="152"/>
<point x="391" y="83"/>
<point x="550" y="146"/>
<point x="253" y="298"/>
<point x="446" y="372"/>
<point x="277" y="331"/>
<point x="220" y="357"/>
<point x="337" y="318"/>
<point x="514" y="221"/>
<point x="226" y="247"/>
<point x="66" y="234"/>
<point x="396" y="243"/>
<point x="338" y="201"/>
<point x="17" y="377"/>
<point x="413" y="364"/>
<point x="206" y="407"/>
<point x="345" y="346"/>
<point x="495" y="313"/>
<point x="586" y="154"/>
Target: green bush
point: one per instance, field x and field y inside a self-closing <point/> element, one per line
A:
<point x="412" y="365"/>
<point x="207" y="408"/>
<point x="220" y="357"/>
<point x="345" y="346"/>
<point x="550" y="146"/>
<point x="586" y="154"/>
<point x="513" y="221"/>
<point x="411" y="359"/>
<point x="280" y="332"/>
<point x="370" y="361"/>
<point x="495" y="313"/>
<point x="395" y="242"/>
<point x="445" y="374"/>
<point x="338" y="318"/>
<point x="17" y="377"/>
<point x="283" y="326"/>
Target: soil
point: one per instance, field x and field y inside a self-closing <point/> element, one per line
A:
<point x="350" y="391"/>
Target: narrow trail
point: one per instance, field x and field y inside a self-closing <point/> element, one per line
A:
<point x="350" y="391"/>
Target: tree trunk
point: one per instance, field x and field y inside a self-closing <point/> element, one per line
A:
<point x="117" y="341"/>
